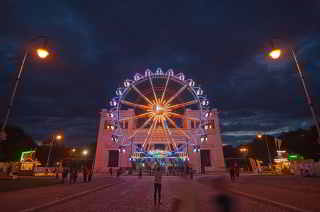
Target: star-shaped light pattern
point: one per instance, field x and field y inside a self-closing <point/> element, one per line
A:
<point x="162" y="108"/>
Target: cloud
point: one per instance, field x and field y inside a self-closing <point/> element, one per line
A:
<point x="219" y="45"/>
<point x="241" y="129"/>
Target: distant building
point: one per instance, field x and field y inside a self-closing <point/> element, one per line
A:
<point x="109" y="155"/>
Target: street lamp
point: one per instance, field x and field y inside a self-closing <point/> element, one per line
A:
<point x="53" y="138"/>
<point x="260" y="136"/>
<point x="42" y="53"/>
<point x="73" y="150"/>
<point x="275" y="54"/>
<point x="243" y="150"/>
<point x="85" y="152"/>
<point x="58" y="137"/>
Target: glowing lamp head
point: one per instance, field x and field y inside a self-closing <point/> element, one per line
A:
<point x="275" y="54"/>
<point x="59" y="137"/>
<point x="73" y="150"/>
<point x="85" y="152"/>
<point x="42" y="53"/>
<point x="259" y="135"/>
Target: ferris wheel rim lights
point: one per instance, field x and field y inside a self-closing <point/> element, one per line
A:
<point x="162" y="108"/>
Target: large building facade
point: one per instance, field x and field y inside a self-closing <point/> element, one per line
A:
<point x="208" y="154"/>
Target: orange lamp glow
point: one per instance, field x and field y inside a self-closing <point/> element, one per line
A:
<point x="42" y="53"/>
<point x="275" y="54"/>
<point x="59" y="137"/>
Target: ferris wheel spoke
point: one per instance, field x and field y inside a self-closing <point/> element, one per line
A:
<point x="177" y="106"/>
<point x="154" y="93"/>
<point x="176" y="94"/>
<point x="172" y="140"/>
<point x="150" y="137"/>
<point x="165" y="133"/>
<point x="165" y="88"/>
<point x="149" y="131"/>
<point x="136" y="117"/>
<point x="141" y="94"/>
<point x="144" y="107"/>
<point x="175" y="126"/>
<point x="141" y="127"/>
<point x="183" y="117"/>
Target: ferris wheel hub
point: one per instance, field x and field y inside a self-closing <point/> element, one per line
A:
<point x="159" y="109"/>
<point x="160" y="101"/>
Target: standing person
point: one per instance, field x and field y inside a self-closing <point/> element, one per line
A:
<point x="70" y="175"/>
<point x="66" y="173"/>
<point x="157" y="185"/>
<point x="63" y="174"/>
<point x="85" y="173"/>
<point x="231" y="171"/>
<point x="140" y="173"/>
<point x="237" y="170"/>
<point x="110" y="171"/>
<point x="90" y="174"/>
<point x="75" y="175"/>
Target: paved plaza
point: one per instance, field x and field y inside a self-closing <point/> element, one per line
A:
<point x="178" y="194"/>
<point x="205" y="193"/>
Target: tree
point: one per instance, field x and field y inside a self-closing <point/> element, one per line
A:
<point x="301" y="141"/>
<point x="17" y="142"/>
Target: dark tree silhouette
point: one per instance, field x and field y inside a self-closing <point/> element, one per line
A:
<point x="17" y="142"/>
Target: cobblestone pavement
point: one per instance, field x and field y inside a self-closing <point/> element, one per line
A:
<point x="296" y="191"/>
<point x="28" y="198"/>
<point x="178" y="194"/>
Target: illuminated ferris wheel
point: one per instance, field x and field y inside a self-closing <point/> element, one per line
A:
<point x="159" y="102"/>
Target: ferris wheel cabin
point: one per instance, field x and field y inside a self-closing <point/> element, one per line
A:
<point x="159" y="118"/>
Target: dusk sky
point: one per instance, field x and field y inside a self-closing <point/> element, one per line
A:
<point x="221" y="45"/>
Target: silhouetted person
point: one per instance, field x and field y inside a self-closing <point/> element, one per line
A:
<point x="237" y="170"/>
<point x="140" y="173"/>
<point x="90" y="174"/>
<point x="110" y="171"/>
<point x="85" y="174"/>
<point x="65" y="173"/>
<point x="157" y="185"/>
<point x="75" y="175"/>
<point x="224" y="202"/>
<point x="231" y="171"/>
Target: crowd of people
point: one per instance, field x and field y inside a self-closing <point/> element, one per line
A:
<point x="70" y="174"/>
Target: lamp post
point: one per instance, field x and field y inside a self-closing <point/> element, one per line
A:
<point x="53" y="138"/>
<point x="244" y="150"/>
<point x="275" y="54"/>
<point x="261" y="137"/>
<point x="42" y="54"/>
<point x="85" y="152"/>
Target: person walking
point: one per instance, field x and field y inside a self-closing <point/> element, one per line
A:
<point x="140" y="173"/>
<point x="85" y="174"/>
<point x="237" y="170"/>
<point x="71" y="175"/>
<point x="231" y="171"/>
<point x="157" y="186"/>
<point x="90" y="174"/>
<point x="57" y="173"/>
<point x="75" y="175"/>
<point x="65" y="173"/>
